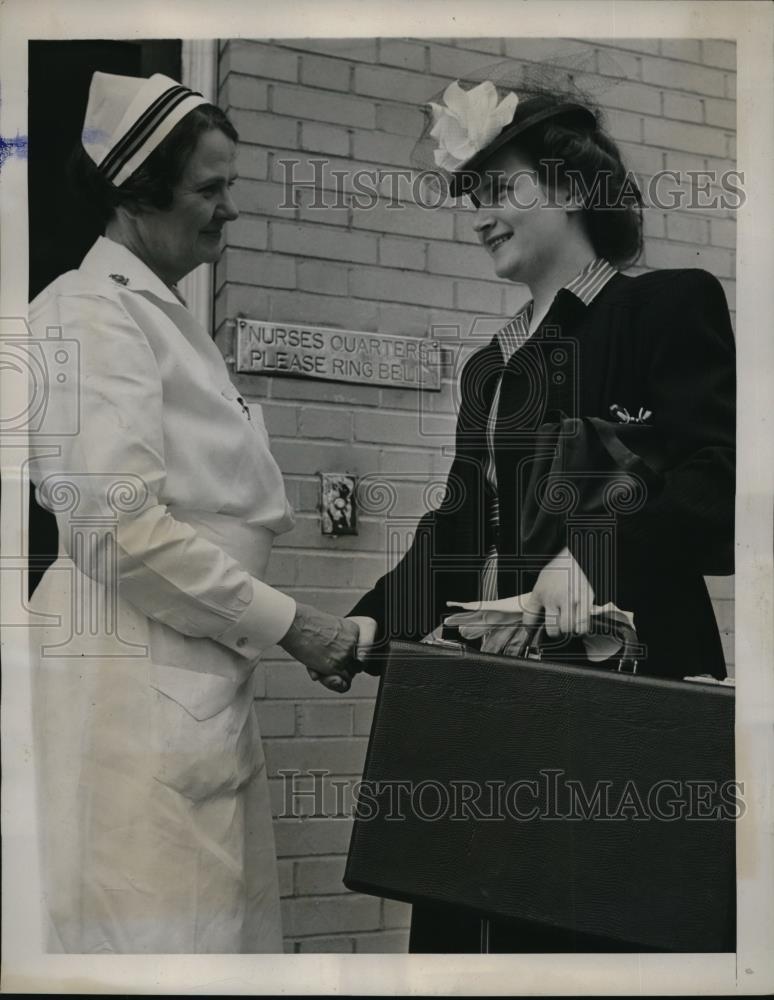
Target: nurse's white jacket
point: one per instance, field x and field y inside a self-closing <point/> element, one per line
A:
<point x="166" y="456"/>
<point x="155" y="818"/>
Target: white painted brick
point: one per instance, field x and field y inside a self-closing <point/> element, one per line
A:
<point x="247" y="231"/>
<point x="723" y="233"/>
<point x="325" y="945"/>
<point x="643" y="160"/>
<point x="358" y="49"/>
<point x="675" y="160"/>
<point x="683" y="106"/>
<point x="680" y="135"/>
<point x="457" y="63"/>
<point x="495" y="46"/>
<point x="401" y="461"/>
<point x="670" y="73"/>
<point x="619" y="64"/>
<point x="727" y="641"/>
<point x="310" y="916"/>
<point x="385" y="942"/>
<point x="720" y="587"/>
<point x="240" y="91"/>
<point x="406" y="219"/>
<point x="716" y="52"/>
<point x="547" y="49"/>
<point x="379" y="147"/>
<point x="631" y="96"/>
<point x="729" y="287"/>
<point x="464" y="261"/>
<point x="311" y="241"/>
<point x="334" y="424"/>
<point x="401" y="286"/>
<point x="686" y="49"/>
<point x="720" y="112"/>
<point x="514" y="297"/>
<point x="730" y="86"/>
<point x="716" y="261"/>
<point x="285" y="871"/>
<point x="252" y="161"/>
<point x="320" y="876"/>
<point x="319" y="105"/>
<point x="259" y="681"/>
<point x="304" y="457"/>
<point x="265" y="129"/>
<point x="481" y="296"/>
<point x="653" y="223"/>
<point x="275" y="718"/>
<point x="311" y="208"/>
<point x="322" y="276"/>
<point x="267" y="61"/>
<point x="317" y="138"/>
<point x="283" y="568"/>
<point x="363" y="717"/>
<point x="384" y="82"/>
<point x="624" y="126"/>
<point x="325" y="720"/>
<point x="724" y="614"/>
<point x="649" y="45"/>
<point x="688" y="228"/>
<point x="240" y="300"/>
<point x="402" y="253"/>
<point x="268" y="270"/>
<point x="320" y="71"/>
<point x="406" y="55"/>
<point x="262" y="198"/>
<point x="399" y="119"/>
<point x="395" y="914"/>
<point x="403" y="320"/>
<point x="338" y="756"/>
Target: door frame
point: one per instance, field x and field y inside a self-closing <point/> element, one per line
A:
<point x="199" y="60"/>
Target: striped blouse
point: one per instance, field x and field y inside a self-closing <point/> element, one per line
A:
<point x="586" y="286"/>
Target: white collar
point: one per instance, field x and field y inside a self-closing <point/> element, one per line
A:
<point x="108" y="259"/>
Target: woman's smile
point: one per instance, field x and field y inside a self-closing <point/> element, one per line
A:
<point x="497" y="241"/>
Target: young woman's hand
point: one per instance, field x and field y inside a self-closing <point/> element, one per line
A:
<point x="562" y="596"/>
<point x="325" y="644"/>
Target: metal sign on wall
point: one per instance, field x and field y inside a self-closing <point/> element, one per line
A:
<point x="264" y="348"/>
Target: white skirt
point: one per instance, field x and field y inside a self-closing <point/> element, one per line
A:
<point x="153" y="803"/>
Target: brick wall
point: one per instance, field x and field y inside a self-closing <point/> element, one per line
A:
<point x="671" y="104"/>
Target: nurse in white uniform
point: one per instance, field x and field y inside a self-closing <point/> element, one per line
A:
<point x="154" y="815"/>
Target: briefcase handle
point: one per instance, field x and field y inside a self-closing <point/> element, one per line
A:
<point x="536" y="635"/>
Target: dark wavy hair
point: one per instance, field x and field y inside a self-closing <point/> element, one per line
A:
<point x="152" y="184"/>
<point x="587" y="160"/>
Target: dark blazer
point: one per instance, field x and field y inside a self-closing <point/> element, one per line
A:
<point x="659" y="342"/>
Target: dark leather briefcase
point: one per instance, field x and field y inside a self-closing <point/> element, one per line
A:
<point x="583" y="799"/>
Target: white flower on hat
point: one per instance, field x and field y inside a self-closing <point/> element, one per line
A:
<point x="469" y="122"/>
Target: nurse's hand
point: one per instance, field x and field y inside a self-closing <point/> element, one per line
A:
<point x="562" y="596"/>
<point x="325" y="644"/>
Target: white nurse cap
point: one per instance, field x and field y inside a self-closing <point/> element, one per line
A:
<point x="128" y="116"/>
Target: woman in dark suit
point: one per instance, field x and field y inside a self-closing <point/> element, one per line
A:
<point x="557" y="211"/>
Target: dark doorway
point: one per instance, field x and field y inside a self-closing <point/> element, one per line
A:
<point x="61" y="229"/>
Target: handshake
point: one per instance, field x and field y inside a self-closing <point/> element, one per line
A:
<point x="331" y="648"/>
